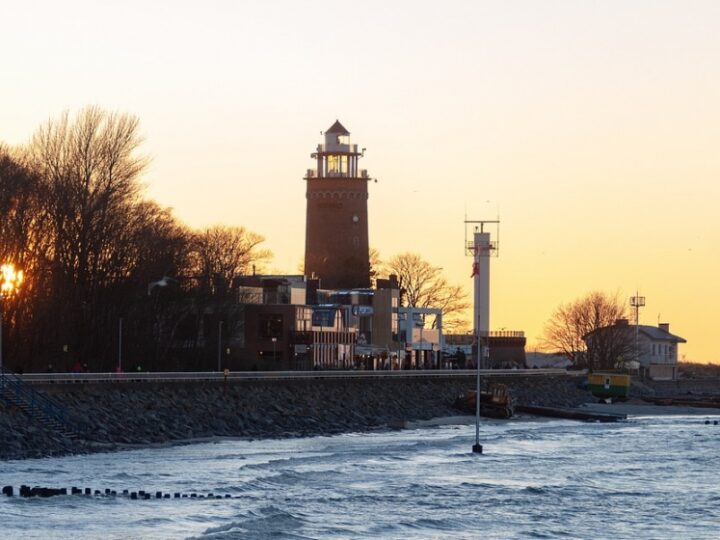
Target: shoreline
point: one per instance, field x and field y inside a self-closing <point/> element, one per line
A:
<point x="632" y="410"/>
<point x="125" y="417"/>
<point x="640" y="409"/>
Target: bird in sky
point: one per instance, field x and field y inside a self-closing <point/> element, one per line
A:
<point x="162" y="282"/>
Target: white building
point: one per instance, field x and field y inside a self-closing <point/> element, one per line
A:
<point x="656" y="349"/>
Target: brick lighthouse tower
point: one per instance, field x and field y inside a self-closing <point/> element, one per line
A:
<point x="336" y="235"/>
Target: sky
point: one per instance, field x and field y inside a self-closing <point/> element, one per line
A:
<point x="591" y="128"/>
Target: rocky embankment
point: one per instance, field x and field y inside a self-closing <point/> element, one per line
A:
<point x="124" y="415"/>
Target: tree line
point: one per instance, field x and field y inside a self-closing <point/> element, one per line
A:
<point x="73" y="216"/>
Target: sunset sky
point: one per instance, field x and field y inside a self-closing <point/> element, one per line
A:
<point x="592" y="128"/>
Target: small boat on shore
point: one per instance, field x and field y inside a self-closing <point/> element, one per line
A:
<point x="495" y="403"/>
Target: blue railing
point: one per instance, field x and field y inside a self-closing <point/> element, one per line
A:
<point x="13" y="391"/>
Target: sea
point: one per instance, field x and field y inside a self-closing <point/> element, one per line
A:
<point x="652" y="477"/>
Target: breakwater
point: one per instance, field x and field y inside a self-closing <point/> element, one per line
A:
<point x="130" y="414"/>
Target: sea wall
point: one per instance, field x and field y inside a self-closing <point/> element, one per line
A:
<point x="686" y="387"/>
<point x="127" y="414"/>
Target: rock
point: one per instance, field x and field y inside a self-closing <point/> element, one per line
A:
<point x="143" y="414"/>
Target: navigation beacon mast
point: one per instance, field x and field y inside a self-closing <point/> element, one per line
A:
<point x="481" y="248"/>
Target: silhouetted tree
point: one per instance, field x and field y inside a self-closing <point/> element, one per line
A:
<point x="75" y="220"/>
<point x="90" y="170"/>
<point x="375" y="265"/>
<point x="23" y="243"/>
<point x="610" y="346"/>
<point x="423" y="285"/>
<point x="570" y="322"/>
<point x="219" y="254"/>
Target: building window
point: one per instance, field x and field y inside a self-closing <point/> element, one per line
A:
<point x="303" y="319"/>
<point x="270" y="326"/>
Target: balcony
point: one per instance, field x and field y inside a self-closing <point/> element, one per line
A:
<point x="338" y="148"/>
<point x="312" y="173"/>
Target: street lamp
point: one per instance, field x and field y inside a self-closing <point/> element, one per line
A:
<point x="220" y="325"/>
<point x="11" y="280"/>
<point x="274" y="342"/>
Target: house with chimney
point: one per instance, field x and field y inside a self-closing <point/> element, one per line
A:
<point x="653" y="349"/>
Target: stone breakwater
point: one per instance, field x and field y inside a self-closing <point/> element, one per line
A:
<point x="139" y="414"/>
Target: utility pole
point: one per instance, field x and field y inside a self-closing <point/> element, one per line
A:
<point x="220" y="325"/>
<point x="119" y="368"/>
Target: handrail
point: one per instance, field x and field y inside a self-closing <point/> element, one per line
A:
<point x="15" y="391"/>
<point x="199" y="376"/>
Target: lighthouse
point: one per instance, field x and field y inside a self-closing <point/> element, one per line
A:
<point x="336" y="226"/>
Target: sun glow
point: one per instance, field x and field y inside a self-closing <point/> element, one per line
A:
<point x="11" y="279"/>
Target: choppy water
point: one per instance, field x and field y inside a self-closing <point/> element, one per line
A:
<point x="651" y="477"/>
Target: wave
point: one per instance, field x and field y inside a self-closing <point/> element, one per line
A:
<point x="266" y="522"/>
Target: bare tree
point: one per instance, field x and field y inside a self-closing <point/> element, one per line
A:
<point x="423" y="285"/>
<point x="571" y="322"/>
<point x="90" y="169"/>
<point x="75" y="220"/>
<point x="23" y="242"/>
<point x="375" y="264"/>
<point x="22" y="226"/>
<point x="221" y="253"/>
<point x="610" y="346"/>
<point x="154" y="244"/>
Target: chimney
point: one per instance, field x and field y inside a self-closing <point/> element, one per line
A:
<point x="621" y="322"/>
<point x="664" y="326"/>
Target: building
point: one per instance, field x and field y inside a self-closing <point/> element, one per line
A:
<point x="336" y="234"/>
<point x="280" y="331"/>
<point x="505" y="349"/>
<point x="375" y="313"/>
<point x="423" y="342"/>
<point x="654" y="348"/>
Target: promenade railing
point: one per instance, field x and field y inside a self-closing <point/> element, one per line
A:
<point x="14" y="391"/>
<point x="200" y="376"/>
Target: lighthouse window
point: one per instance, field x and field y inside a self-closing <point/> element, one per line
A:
<point x="337" y="165"/>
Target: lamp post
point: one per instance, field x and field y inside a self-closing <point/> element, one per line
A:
<point x="274" y="342"/>
<point x="220" y="325"/>
<point x="11" y="280"/>
<point x="120" y="332"/>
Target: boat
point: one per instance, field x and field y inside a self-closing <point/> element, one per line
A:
<point x="495" y="403"/>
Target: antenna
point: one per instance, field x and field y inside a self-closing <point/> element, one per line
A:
<point x="471" y="226"/>
<point x="637" y="302"/>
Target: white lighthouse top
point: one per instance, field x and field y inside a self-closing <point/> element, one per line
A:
<point x="337" y="138"/>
